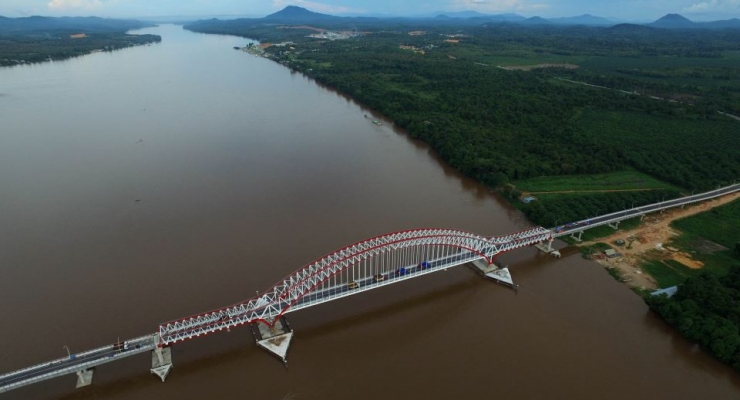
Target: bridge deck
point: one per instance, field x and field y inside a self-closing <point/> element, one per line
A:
<point x="293" y="299"/>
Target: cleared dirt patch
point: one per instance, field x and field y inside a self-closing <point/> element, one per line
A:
<point x="646" y="243"/>
<point x="78" y="36"/>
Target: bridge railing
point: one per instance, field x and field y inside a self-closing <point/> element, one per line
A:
<point x="641" y="210"/>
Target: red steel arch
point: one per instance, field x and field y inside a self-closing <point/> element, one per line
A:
<point x="364" y="265"/>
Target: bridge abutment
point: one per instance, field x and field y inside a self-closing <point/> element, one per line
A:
<point x="274" y="339"/>
<point x="161" y="362"/>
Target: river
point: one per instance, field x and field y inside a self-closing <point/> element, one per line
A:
<point x="148" y="184"/>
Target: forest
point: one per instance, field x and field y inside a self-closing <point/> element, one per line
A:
<point x="706" y="310"/>
<point x="38" y="39"/>
<point x="612" y="99"/>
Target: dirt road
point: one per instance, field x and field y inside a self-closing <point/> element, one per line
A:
<point x="650" y="241"/>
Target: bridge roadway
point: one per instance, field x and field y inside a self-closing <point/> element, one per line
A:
<point x="77" y="363"/>
<point x="89" y="359"/>
<point x="615" y="217"/>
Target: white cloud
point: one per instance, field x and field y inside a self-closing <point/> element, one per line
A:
<point x="316" y="7"/>
<point x="713" y="6"/>
<point x="61" y="5"/>
<point x="497" y="5"/>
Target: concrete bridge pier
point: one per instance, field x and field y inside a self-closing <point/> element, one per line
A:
<point x="547" y="248"/>
<point x="275" y="339"/>
<point x="615" y="225"/>
<point x="161" y="362"/>
<point x="84" y="378"/>
<point x="578" y="238"/>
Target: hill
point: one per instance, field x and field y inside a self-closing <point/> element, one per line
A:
<point x="298" y="14"/>
<point x="676" y="21"/>
<point x="585" y="19"/>
<point x="673" y="21"/>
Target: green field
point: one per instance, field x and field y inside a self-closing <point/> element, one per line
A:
<point x="622" y="180"/>
<point x="720" y="225"/>
<point x="668" y="273"/>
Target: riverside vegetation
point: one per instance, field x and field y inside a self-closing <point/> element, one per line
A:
<point x="38" y="39"/>
<point x="706" y="308"/>
<point x="440" y="82"/>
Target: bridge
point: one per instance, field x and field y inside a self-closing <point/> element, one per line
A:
<point x="360" y="267"/>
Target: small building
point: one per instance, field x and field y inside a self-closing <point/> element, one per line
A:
<point x="667" y="291"/>
<point x="611" y="253"/>
<point x="529" y="199"/>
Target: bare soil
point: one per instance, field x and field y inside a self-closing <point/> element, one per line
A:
<point x="649" y="239"/>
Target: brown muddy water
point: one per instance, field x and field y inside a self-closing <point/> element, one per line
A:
<point x="153" y="183"/>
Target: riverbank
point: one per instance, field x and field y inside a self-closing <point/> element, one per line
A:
<point x="651" y="242"/>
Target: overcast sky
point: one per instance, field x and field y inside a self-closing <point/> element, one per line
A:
<point x="638" y="10"/>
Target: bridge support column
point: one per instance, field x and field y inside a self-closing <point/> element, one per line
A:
<point x="84" y="378"/>
<point x="642" y="216"/>
<point x="615" y="225"/>
<point x="275" y="339"/>
<point x="161" y="362"/>
<point x="577" y="238"/>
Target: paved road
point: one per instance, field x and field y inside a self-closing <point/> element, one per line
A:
<point x="74" y="363"/>
<point x="637" y="211"/>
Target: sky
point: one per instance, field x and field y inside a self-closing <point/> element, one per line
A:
<point x="622" y="10"/>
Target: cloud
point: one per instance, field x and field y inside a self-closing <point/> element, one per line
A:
<point x="60" y="5"/>
<point x="314" y="6"/>
<point x="497" y="5"/>
<point x="713" y="6"/>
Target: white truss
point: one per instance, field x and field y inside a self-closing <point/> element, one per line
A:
<point x="447" y="246"/>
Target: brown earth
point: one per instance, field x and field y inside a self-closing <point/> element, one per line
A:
<point x="78" y="36"/>
<point x="648" y="242"/>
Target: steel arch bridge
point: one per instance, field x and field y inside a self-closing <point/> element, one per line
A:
<point x="363" y="266"/>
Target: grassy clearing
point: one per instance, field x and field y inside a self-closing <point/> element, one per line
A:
<point x="622" y="180"/>
<point x="720" y="225"/>
<point x="668" y="273"/>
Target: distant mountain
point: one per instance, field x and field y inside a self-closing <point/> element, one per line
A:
<point x="505" y="18"/>
<point x="724" y="24"/>
<point x="676" y="21"/>
<point x="298" y="14"/>
<point x="463" y="14"/>
<point x="535" y="21"/>
<point x="673" y="21"/>
<point x="81" y="24"/>
<point x="585" y="19"/>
